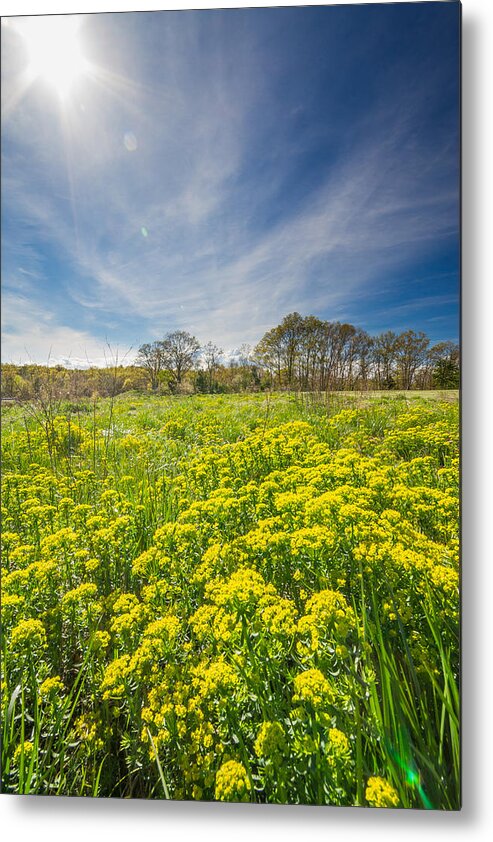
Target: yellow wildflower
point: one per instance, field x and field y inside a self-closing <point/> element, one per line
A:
<point x="232" y="783"/>
<point x="379" y="793"/>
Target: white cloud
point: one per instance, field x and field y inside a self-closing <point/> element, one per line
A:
<point x="31" y="334"/>
<point x="204" y="264"/>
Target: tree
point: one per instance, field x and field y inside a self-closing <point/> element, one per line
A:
<point x="411" y="349"/>
<point x="245" y="354"/>
<point x="269" y="353"/>
<point x="444" y="357"/>
<point x="309" y="342"/>
<point x="151" y="357"/>
<point x="279" y="348"/>
<point x="245" y="372"/>
<point x="180" y="350"/>
<point x="212" y="355"/>
<point x="363" y="347"/>
<point x="346" y="355"/>
<point x="13" y="385"/>
<point x="292" y="330"/>
<point x="385" y="359"/>
<point x="135" y="379"/>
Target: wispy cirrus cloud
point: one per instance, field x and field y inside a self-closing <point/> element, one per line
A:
<point x="339" y="243"/>
<point x="33" y="334"/>
<point x="142" y="207"/>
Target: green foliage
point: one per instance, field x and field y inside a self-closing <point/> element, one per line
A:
<point x="250" y="598"/>
<point x="446" y="374"/>
<point x="302" y="353"/>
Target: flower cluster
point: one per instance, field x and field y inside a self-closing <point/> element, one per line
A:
<point x="233" y="597"/>
<point x="379" y="793"/>
<point x="232" y="783"/>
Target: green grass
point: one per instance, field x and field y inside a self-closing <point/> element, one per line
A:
<point x="223" y="519"/>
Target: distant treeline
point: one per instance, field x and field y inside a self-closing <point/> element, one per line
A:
<point x="311" y="354"/>
<point x="302" y="353"/>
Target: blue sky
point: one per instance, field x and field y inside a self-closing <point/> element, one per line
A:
<point x="213" y="171"/>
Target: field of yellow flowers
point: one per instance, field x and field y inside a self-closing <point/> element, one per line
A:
<point x="240" y="598"/>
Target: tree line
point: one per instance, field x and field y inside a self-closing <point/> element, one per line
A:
<point x="312" y="354"/>
<point x="301" y="353"/>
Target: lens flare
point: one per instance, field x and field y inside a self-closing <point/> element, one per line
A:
<point x="413" y="778"/>
<point x="130" y="142"/>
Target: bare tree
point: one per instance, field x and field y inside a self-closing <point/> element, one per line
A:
<point x="279" y="348"/>
<point x="212" y="356"/>
<point x="269" y="353"/>
<point x="385" y="359"/>
<point x="151" y="357"/>
<point x="363" y="344"/>
<point x="412" y="348"/>
<point x="180" y="350"/>
<point x="245" y="354"/>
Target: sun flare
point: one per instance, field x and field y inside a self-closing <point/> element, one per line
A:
<point x="54" y="50"/>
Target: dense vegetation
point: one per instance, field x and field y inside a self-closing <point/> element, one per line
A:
<point x="301" y="353"/>
<point x="238" y="598"/>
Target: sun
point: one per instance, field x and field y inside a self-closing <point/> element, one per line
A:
<point x="54" y="50"/>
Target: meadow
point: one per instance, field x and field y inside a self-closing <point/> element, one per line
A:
<point x="238" y="597"/>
